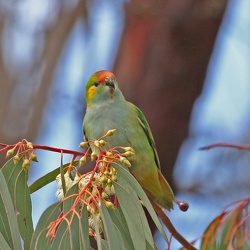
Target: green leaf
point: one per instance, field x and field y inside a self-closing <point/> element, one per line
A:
<point x="71" y="196"/>
<point x="124" y="174"/>
<point x="149" y="247"/>
<point x="8" y="222"/>
<point x="16" y="178"/>
<point x="98" y="235"/>
<point x="133" y="213"/>
<point x="73" y="231"/>
<point x="62" y="239"/>
<point x="39" y="240"/>
<point x="67" y="235"/>
<point x="120" y="222"/>
<point x="3" y="244"/>
<point x="84" y="230"/>
<point x="48" y="178"/>
<point x="104" y="244"/>
<point x="112" y="232"/>
<point x="44" y="180"/>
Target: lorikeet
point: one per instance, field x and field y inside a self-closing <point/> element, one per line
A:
<point x="107" y="109"/>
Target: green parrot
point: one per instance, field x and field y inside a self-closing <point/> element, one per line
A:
<point x="107" y="109"/>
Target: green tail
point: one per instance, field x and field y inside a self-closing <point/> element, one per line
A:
<point x="163" y="197"/>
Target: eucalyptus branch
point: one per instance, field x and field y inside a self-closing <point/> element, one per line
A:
<point x="226" y="145"/>
<point x="43" y="147"/>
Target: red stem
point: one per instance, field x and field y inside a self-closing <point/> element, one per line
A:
<point x="58" y="150"/>
<point x="53" y="149"/>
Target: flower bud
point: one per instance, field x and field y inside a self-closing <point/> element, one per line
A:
<point x="104" y="195"/>
<point x="106" y="172"/>
<point x="104" y="180"/>
<point x="102" y="142"/>
<point x="33" y="157"/>
<point x="114" y="177"/>
<point x="97" y="143"/>
<point x="128" y="154"/>
<point x="16" y="159"/>
<point x="109" y="189"/>
<point x="82" y="160"/>
<point x="110" y="132"/>
<point x="109" y="204"/>
<point x="83" y="144"/>
<point x="93" y="156"/>
<point x="128" y="149"/>
<point x="89" y="209"/>
<point x="30" y="145"/>
<point x="125" y="161"/>
<point x="26" y="165"/>
<point x="10" y="152"/>
<point x="108" y="153"/>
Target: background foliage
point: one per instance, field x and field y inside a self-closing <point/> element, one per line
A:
<point x="105" y="204"/>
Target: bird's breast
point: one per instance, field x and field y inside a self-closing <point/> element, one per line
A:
<point x="100" y="119"/>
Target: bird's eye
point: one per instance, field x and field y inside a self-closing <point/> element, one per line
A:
<point x="96" y="84"/>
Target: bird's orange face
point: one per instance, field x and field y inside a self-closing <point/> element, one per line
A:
<point x="101" y="83"/>
<point x="102" y="78"/>
<point x="104" y="75"/>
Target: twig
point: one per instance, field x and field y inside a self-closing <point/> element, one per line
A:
<point x="226" y="145"/>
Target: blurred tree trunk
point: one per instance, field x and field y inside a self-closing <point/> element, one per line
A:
<point x="161" y="65"/>
<point x="23" y="119"/>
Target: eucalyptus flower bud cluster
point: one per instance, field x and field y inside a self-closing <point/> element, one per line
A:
<point x="100" y="181"/>
<point x="26" y="160"/>
<point x="107" y="178"/>
<point x="129" y="152"/>
<point x="23" y="150"/>
<point x="97" y="188"/>
<point x="95" y="145"/>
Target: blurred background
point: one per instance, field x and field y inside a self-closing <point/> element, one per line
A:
<point x="184" y="63"/>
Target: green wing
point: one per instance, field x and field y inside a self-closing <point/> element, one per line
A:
<point x="144" y="124"/>
<point x="84" y="132"/>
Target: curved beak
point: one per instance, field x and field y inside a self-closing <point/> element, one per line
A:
<point x="110" y="82"/>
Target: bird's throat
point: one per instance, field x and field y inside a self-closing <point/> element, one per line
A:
<point x="111" y="91"/>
